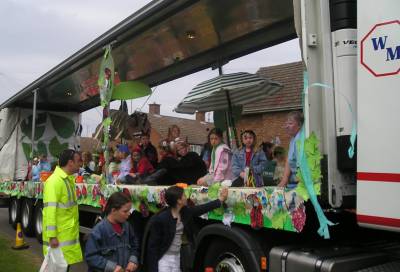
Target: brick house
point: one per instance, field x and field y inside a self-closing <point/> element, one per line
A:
<point x="267" y="116"/>
<point x="195" y="132"/>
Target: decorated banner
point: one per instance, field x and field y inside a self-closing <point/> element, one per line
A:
<point x="266" y="207"/>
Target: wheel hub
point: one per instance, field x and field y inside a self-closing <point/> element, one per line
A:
<point x="13" y="211"/>
<point x="38" y="222"/>
<point x="230" y="264"/>
<point x="25" y="215"/>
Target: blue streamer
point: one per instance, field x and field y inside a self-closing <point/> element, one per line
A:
<point x="324" y="223"/>
<point x="305" y="171"/>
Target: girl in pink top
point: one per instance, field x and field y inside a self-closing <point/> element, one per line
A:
<point x="221" y="160"/>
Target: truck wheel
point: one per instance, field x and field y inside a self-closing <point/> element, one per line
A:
<point x="27" y="217"/>
<point x="38" y="221"/>
<point x="14" y="212"/>
<point x="224" y="255"/>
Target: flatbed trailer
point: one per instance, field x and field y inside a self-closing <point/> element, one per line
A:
<point x="350" y="50"/>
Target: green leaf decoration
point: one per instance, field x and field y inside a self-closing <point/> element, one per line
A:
<point x="153" y="208"/>
<point x="267" y="222"/>
<point x="288" y="224"/>
<point x="27" y="150"/>
<point x="41" y="148"/>
<point x="278" y="220"/>
<point x="55" y="147"/>
<point x="40" y="126"/>
<point x="239" y="209"/>
<point x="64" y="127"/>
<point x="143" y="195"/>
<point x="188" y="191"/>
<point x="311" y="150"/>
<point x="246" y="220"/>
<point x="136" y="204"/>
<point x="215" y="216"/>
<point x="213" y="191"/>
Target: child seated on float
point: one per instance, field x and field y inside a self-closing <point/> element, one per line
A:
<point x="248" y="162"/>
<point x="141" y="166"/>
<point x="125" y="166"/>
<point x="221" y="159"/>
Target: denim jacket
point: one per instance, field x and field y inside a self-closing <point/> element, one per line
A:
<point x="257" y="163"/>
<point x="105" y="249"/>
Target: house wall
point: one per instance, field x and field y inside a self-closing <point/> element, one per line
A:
<point x="267" y="126"/>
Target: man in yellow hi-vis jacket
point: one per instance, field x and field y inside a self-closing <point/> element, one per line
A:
<point x="60" y="209"/>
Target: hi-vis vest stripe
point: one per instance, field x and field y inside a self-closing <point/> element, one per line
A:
<point x="65" y="243"/>
<point x="69" y="204"/>
<point x="51" y="228"/>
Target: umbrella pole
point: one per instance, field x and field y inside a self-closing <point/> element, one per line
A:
<point x="228" y="138"/>
<point x="230" y="121"/>
<point x="229" y="111"/>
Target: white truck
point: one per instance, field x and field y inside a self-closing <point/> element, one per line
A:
<point x="351" y="55"/>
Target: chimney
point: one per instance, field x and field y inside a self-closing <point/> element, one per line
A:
<point x="201" y="116"/>
<point x="154" y="108"/>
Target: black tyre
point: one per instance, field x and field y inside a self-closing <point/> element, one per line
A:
<point x="14" y="212"/>
<point x="38" y="221"/>
<point x="225" y="256"/>
<point x="27" y="217"/>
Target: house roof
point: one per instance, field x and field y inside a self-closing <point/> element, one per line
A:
<point x="290" y="75"/>
<point x="195" y="131"/>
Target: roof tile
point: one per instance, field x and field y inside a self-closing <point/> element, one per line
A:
<point x="290" y="75"/>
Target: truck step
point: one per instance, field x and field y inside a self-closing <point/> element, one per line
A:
<point x="323" y="259"/>
<point x="387" y="267"/>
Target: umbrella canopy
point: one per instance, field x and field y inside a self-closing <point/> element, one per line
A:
<point x="242" y="88"/>
<point x="130" y="90"/>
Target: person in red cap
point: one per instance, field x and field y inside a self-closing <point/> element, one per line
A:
<point x="141" y="166"/>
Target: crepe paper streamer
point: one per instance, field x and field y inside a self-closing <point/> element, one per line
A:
<point x="353" y="134"/>
<point x="305" y="171"/>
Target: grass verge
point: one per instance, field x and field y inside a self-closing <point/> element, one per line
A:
<point x="17" y="260"/>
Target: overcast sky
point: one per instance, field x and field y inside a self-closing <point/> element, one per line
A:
<point x="36" y="35"/>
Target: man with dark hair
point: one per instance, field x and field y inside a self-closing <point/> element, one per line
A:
<point x="293" y="126"/>
<point x="148" y="150"/>
<point x="60" y="209"/>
